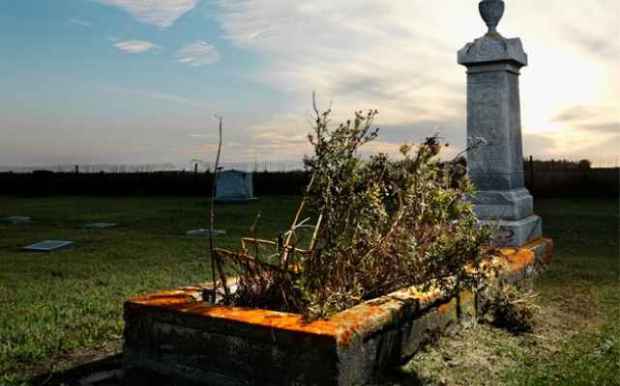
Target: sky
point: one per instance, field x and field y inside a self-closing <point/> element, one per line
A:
<point x="141" y="81"/>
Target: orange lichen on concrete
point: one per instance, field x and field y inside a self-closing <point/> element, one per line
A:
<point x="164" y="298"/>
<point x="185" y="302"/>
<point x="518" y="258"/>
<point x="265" y="318"/>
<point x="548" y="248"/>
<point x="360" y="320"/>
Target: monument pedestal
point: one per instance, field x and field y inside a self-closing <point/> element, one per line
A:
<point x="517" y="233"/>
<point x="511" y="211"/>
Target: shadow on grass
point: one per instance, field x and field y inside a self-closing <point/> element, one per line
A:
<point x="108" y="371"/>
<point x="105" y="371"/>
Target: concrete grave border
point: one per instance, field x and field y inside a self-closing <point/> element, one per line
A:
<point x="174" y="333"/>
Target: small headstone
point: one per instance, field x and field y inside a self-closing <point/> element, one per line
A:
<point x="100" y="225"/>
<point x="234" y="186"/>
<point x="48" y="245"/>
<point x="205" y="232"/>
<point x="17" y="220"/>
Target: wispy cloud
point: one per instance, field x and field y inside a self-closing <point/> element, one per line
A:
<point x="606" y="127"/>
<point x="575" y="114"/>
<point x="600" y="119"/>
<point x="155" y="95"/>
<point x="161" y="13"/>
<point x="135" y="46"/>
<point x="81" y="22"/>
<point x="198" y="53"/>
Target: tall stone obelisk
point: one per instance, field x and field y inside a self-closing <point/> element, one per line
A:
<point x="494" y="113"/>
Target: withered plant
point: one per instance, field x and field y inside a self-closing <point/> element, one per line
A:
<point x="380" y="224"/>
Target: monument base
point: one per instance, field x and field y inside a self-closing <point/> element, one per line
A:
<point x="516" y="233"/>
<point x="511" y="205"/>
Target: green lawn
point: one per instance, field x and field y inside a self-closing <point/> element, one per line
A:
<point x="54" y="304"/>
<point x="57" y="308"/>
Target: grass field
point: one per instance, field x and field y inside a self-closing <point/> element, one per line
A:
<point x="64" y="308"/>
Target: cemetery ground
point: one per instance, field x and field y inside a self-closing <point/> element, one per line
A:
<point x="62" y="311"/>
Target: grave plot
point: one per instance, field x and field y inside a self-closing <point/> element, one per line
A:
<point x="398" y="253"/>
<point x="179" y="334"/>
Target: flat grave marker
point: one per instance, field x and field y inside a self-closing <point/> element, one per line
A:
<point x="16" y="220"/>
<point x="203" y="232"/>
<point x="100" y="225"/>
<point x="48" y="245"/>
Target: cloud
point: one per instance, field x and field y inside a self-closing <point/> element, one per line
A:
<point x="575" y="114"/>
<point x="81" y="22"/>
<point x="400" y="57"/>
<point x="197" y="54"/>
<point x="135" y="46"/>
<point x="161" y="13"/>
<point x="602" y="47"/>
<point x="155" y="95"/>
<point x="599" y="119"/>
<point x="608" y="127"/>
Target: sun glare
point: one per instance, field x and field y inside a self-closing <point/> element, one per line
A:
<point x="557" y="81"/>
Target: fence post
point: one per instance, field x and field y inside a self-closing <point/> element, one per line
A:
<point x="532" y="189"/>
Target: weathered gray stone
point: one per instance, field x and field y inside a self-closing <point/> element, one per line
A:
<point x="491" y="12"/>
<point x="503" y="204"/>
<point x="48" y="246"/>
<point x="493" y="48"/>
<point x="494" y="113"/>
<point x="518" y="232"/>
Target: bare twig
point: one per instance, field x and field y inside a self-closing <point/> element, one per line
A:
<point x="215" y="261"/>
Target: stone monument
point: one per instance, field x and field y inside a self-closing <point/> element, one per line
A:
<point x="494" y="113"/>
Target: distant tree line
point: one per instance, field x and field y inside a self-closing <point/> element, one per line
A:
<point x="162" y="183"/>
<point x="561" y="164"/>
<point x="554" y="178"/>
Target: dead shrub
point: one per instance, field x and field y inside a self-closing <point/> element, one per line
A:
<point x="381" y="224"/>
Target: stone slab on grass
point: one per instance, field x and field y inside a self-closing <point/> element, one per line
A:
<point x="175" y="333"/>
<point x="100" y="225"/>
<point x="203" y="232"/>
<point x="16" y="220"/>
<point x="48" y="245"/>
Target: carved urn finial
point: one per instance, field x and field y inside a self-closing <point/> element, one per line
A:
<point x="491" y="12"/>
